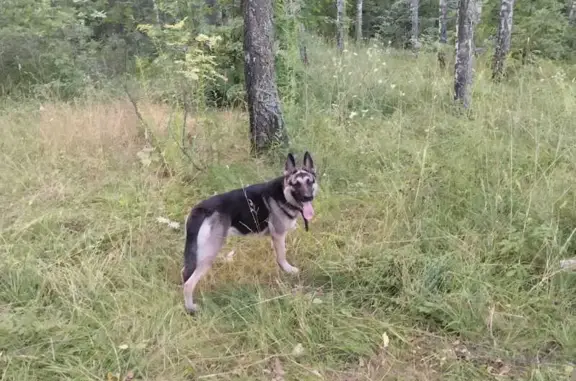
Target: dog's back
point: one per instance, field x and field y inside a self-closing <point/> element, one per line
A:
<point x="246" y="207"/>
<point x="240" y="211"/>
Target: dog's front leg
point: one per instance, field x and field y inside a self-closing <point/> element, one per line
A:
<point x="279" y="243"/>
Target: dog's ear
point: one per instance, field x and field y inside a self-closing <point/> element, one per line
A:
<point x="290" y="165"/>
<point x="308" y="162"/>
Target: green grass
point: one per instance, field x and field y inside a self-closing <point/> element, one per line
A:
<point x="435" y="230"/>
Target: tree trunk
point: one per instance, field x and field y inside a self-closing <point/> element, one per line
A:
<point x="464" y="51"/>
<point x="414" y="4"/>
<point x="340" y="14"/>
<point x="302" y="46"/>
<point x="478" y="12"/>
<point x="213" y="14"/>
<point x="156" y="12"/>
<point x="294" y="9"/>
<point x="359" y="20"/>
<point x="266" y="121"/>
<point x="442" y="20"/>
<point x="503" y="37"/>
<point x="443" y="33"/>
<point x="572" y="13"/>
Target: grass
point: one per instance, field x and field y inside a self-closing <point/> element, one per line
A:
<point x="434" y="254"/>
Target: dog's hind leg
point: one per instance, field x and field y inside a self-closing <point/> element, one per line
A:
<point x="210" y="238"/>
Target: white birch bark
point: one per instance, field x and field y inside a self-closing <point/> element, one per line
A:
<point x="503" y="37"/>
<point x="340" y="14"/>
<point x="572" y="13"/>
<point x="414" y="5"/>
<point x="359" y="4"/>
<point x="464" y="51"/>
<point x="442" y="21"/>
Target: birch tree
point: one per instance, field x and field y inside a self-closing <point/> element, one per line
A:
<point x="464" y="51"/>
<point x="156" y="12"/>
<point x="340" y="14"/>
<point x="359" y="4"/>
<point x="414" y="5"/>
<point x="294" y="11"/>
<point x="477" y="12"/>
<point x="503" y="37"/>
<point x="442" y="33"/>
<point x="442" y="20"/>
<point x="266" y="121"/>
<point x="213" y="14"/>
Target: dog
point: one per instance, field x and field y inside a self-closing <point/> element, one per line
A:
<point x="269" y="209"/>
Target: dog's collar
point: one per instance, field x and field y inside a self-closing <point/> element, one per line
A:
<point x="286" y="212"/>
<point x="292" y="206"/>
<point x="295" y="208"/>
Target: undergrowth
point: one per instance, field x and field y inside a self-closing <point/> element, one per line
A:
<point x="434" y="254"/>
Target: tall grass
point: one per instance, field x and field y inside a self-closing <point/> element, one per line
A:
<point x="434" y="254"/>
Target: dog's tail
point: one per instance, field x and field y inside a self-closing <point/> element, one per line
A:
<point x="193" y="224"/>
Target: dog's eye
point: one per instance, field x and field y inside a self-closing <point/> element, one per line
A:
<point x="309" y="181"/>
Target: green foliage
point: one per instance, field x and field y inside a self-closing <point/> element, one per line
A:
<point x="43" y="48"/>
<point x="229" y="58"/>
<point x="541" y="29"/>
<point x="67" y="47"/>
<point x="184" y="63"/>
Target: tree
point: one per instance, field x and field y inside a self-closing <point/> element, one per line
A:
<point x="302" y="45"/>
<point x="443" y="33"/>
<point x="359" y="4"/>
<point x="442" y="20"/>
<point x="414" y="4"/>
<point x="503" y="37"/>
<point x="266" y="121"/>
<point x="213" y="13"/>
<point x="294" y="10"/>
<point x="477" y="12"/>
<point x="156" y="12"/>
<point x="464" y="51"/>
<point x="340" y="9"/>
<point x="572" y="12"/>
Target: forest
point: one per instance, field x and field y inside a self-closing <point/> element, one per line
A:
<point x="443" y="135"/>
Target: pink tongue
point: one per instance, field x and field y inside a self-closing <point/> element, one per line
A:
<point x="307" y="210"/>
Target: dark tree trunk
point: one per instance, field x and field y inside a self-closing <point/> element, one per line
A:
<point x="503" y="38"/>
<point x="213" y="15"/>
<point x="464" y="51"/>
<point x="443" y="33"/>
<point x="302" y="46"/>
<point x="230" y="10"/>
<point x="359" y="4"/>
<point x="294" y="9"/>
<point x="414" y="5"/>
<point x="340" y="14"/>
<point x="442" y="20"/>
<point x="266" y="121"/>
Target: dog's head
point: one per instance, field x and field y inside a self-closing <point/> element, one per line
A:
<point x="300" y="185"/>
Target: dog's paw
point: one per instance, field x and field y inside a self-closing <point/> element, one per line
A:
<point x="294" y="270"/>
<point x="291" y="269"/>
<point x="191" y="309"/>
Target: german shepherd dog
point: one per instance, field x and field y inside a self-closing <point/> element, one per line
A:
<point x="269" y="208"/>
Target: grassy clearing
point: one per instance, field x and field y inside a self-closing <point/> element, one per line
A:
<point x="436" y="234"/>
